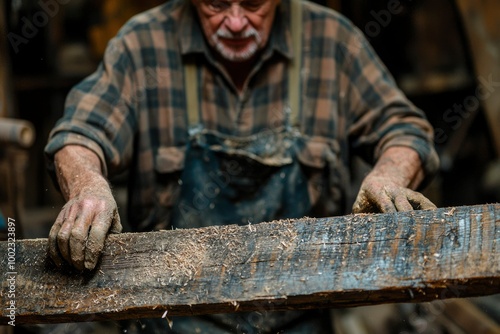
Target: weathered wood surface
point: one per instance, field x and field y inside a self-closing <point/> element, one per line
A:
<point x="305" y="263"/>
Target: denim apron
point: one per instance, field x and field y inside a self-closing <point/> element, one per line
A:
<point x="232" y="180"/>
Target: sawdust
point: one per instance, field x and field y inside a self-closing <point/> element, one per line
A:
<point x="226" y="247"/>
<point x="183" y="261"/>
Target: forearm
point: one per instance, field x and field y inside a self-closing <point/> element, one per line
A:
<point x="79" y="232"/>
<point x="77" y="169"/>
<point x="402" y="165"/>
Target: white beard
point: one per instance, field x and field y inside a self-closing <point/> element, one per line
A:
<point x="241" y="55"/>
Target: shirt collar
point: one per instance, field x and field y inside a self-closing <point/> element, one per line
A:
<point x="192" y="39"/>
<point x="191" y="36"/>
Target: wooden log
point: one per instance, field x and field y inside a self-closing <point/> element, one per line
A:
<point x="16" y="132"/>
<point x="305" y="263"/>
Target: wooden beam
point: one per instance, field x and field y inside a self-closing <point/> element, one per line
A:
<point x="295" y="264"/>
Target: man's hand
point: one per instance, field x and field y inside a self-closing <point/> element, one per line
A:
<point x="79" y="232"/>
<point x="388" y="187"/>
<point x="381" y="194"/>
<point x="90" y="213"/>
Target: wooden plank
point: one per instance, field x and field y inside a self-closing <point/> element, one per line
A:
<point x="16" y="132"/>
<point x="481" y="20"/>
<point x="295" y="264"/>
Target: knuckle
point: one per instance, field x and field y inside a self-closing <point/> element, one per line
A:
<point x="87" y="203"/>
<point x="54" y="231"/>
<point x="63" y="234"/>
<point x="96" y="204"/>
<point x="94" y="245"/>
<point x="60" y="217"/>
<point x="101" y="205"/>
<point x="77" y="235"/>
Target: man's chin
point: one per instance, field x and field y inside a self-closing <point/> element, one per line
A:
<point x="239" y="55"/>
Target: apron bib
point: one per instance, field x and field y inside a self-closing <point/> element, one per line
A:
<point x="241" y="180"/>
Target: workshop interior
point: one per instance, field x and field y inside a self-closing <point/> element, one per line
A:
<point x="444" y="55"/>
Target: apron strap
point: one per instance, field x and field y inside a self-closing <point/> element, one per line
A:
<point x="192" y="102"/>
<point x="294" y="82"/>
<point x="296" y="63"/>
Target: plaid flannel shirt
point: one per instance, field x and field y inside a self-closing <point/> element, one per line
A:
<point x="132" y="111"/>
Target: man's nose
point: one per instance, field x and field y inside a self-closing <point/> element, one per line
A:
<point x="236" y="21"/>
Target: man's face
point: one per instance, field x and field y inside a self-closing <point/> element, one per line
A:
<point x="236" y="29"/>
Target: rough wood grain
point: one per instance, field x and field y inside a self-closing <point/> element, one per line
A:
<point x="297" y="264"/>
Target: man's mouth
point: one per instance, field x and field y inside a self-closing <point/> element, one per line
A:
<point x="236" y="42"/>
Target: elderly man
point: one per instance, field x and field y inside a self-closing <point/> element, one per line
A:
<point x="230" y="112"/>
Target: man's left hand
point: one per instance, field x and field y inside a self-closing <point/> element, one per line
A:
<point x="391" y="185"/>
<point x="381" y="194"/>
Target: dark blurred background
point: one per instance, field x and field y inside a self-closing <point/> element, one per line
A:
<point x="445" y="55"/>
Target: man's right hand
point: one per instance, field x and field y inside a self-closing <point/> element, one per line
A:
<point x="78" y="234"/>
<point x="80" y="230"/>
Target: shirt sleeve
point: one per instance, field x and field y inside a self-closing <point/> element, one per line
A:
<point x="99" y="113"/>
<point x="379" y="114"/>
